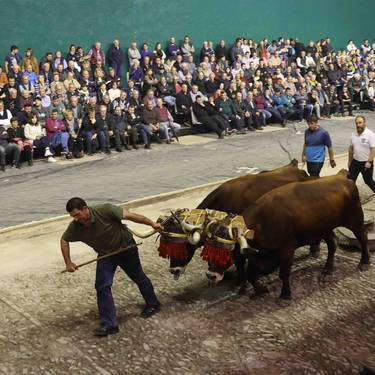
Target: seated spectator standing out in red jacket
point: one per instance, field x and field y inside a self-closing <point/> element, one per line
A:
<point x="57" y="134"/>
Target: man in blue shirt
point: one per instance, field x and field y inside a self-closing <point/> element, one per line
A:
<point x="314" y="148"/>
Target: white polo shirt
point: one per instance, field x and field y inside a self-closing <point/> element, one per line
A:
<point x="361" y="144"/>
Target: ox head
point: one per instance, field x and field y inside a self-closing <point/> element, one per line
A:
<point x="222" y="236"/>
<point x="178" y="241"/>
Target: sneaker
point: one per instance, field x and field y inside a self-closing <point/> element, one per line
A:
<point x="135" y="146"/>
<point x="168" y="141"/>
<point x="148" y="146"/>
<point x="221" y="135"/>
<point x="30" y="162"/>
<point x="51" y="159"/>
<point x="47" y="153"/>
<point x="2" y="167"/>
<point x="68" y="156"/>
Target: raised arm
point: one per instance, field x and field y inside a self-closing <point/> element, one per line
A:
<point x="140" y="219"/>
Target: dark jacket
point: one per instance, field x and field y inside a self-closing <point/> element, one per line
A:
<point x="115" y="55"/>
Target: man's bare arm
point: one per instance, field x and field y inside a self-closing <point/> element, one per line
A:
<point x="350" y="155"/>
<point x="65" y="250"/>
<point x="140" y="219"/>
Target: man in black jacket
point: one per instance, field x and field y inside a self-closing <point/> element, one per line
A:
<point x="203" y="116"/>
<point x="7" y="148"/>
<point x="184" y="103"/>
<point x="115" y="58"/>
<point x="101" y="129"/>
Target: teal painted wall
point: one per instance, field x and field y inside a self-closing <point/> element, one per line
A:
<point x="54" y="24"/>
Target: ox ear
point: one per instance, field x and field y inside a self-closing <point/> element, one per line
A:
<point x="343" y="173"/>
<point x="249" y="234"/>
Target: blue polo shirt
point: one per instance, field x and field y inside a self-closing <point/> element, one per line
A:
<point x="315" y="145"/>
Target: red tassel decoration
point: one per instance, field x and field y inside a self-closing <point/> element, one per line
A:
<point x="216" y="255"/>
<point x="174" y="250"/>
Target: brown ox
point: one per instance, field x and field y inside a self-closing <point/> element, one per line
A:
<point x="235" y="196"/>
<point x="298" y="214"/>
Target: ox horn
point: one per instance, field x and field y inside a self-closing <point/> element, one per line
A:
<point x="187" y="228"/>
<point x="142" y="234"/>
<point x="194" y="235"/>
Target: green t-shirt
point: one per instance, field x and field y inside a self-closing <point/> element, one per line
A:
<point x="106" y="232"/>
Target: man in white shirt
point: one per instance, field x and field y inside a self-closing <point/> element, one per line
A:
<point x="362" y="153"/>
<point x="5" y="116"/>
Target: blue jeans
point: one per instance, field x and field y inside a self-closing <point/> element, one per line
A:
<point x="145" y="132"/>
<point x="105" y="269"/>
<point x="60" y="138"/>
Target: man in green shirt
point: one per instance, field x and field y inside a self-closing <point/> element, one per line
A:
<point x="101" y="228"/>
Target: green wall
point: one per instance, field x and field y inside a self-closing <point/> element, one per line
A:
<point x="54" y="24"/>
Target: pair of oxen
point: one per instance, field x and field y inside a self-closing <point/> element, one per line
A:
<point x="263" y="219"/>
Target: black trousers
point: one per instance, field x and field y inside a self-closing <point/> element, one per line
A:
<point x="356" y="167"/>
<point x="314" y="168"/>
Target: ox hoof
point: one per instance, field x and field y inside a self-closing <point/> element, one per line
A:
<point x="242" y="290"/>
<point x="325" y="276"/>
<point x="261" y="290"/>
<point x="315" y="254"/>
<point x="364" y="266"/>
<point x="286" y="296"/>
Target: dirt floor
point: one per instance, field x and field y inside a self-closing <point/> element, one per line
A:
<point x="47" y="318"/>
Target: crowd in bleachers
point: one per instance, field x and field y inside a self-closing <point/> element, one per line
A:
<point x="81" y="103"/>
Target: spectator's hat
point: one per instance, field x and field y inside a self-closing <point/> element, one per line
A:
<point x="55" y="97"/>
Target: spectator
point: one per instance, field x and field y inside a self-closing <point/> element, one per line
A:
<point x="101" y="129"/>
<point x="187" y="48"/>
<point x="5" y="115"/>
<point x="123" y="133"/>
<point x="73" y="127"/>
<point x="34" y="133"/>
<point x="58" y="106"/>
<point x="210" y="121"/>
<point x="115" y="58"/>
<point x="134" y="120"/>
<point x="133" y="54"/>
<point x="96" y="56"/>
<point x="159" y="53"/>
<point x="8" y="148"/>
<point x="114" y="92"/>
<point x="166" y="121"/>
<point x="40" y="111"/>
<point x="184" y="103"/>
<point x="173" y="50"/>
<point x="150" y="118"/>
<point x="57" y="134"/>
<point x="16" y="135"/>
<point x="12" y="59"/>
<point x="30" y="59"/>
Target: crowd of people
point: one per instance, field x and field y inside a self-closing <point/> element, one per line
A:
<point x="81" y="103"/>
